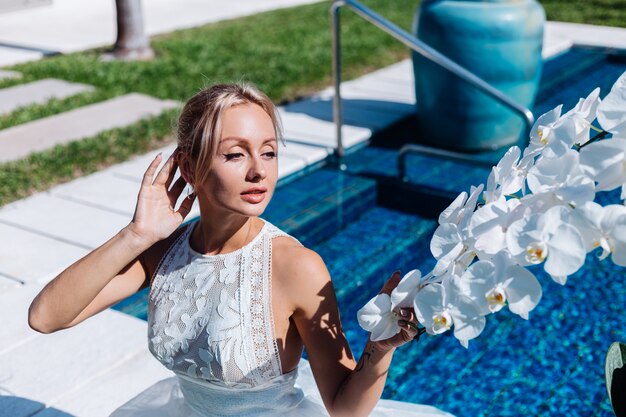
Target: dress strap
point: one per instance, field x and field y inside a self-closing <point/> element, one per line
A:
<point x="273" y="231"/>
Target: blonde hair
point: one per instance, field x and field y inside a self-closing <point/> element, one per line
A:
<point x="200" y="122"/>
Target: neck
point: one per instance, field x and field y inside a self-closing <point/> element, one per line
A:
<point x="217" y="234"/>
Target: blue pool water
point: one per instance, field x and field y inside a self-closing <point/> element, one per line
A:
<point x="551" y="365"/>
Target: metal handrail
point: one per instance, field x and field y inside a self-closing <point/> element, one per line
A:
<point x="437" y="153"/>
<point x="417" y="46"/>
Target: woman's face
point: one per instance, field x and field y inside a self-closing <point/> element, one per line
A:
<point x="244" y="171"/>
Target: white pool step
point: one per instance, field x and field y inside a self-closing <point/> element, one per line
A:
<point x="32" y="358"/>
<point x="5" y="75"/>
<point x="11" y="56"/>
<point x="38" y="92"/>
<point x="19" y="141"/>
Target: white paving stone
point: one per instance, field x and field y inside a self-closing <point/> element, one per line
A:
<point x="19" y="141"/>
<point x="78" y="224"/>
<point x="104" y="190"/>
<point x="311" y="154"/>
<point x="300" y="127"/>
<point x="47" y="367"/>
<point x="30" y="257"/>
<point x="101" y="396"/>
<point x="400" y="72"/>
<point x="8" y="283"/>
<point x="9" y="74"/>
<point x="380" y="96"/>
<point x="38" y="92"/>
<point x="355" y="112"/>
<point x="136" y="167"/>
<point x="14" y="312"/>
<point x="587" y="35"/>
<point x="288" y="164"/>
<point x="13" y="56"/>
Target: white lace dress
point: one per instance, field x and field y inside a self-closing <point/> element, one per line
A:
<point x="210" y="322"/>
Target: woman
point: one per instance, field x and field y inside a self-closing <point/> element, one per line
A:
<point x="233" y="300"/>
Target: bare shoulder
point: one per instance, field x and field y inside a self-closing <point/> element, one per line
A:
<point x="293" y="259"/>
<point x="297" y="269"/>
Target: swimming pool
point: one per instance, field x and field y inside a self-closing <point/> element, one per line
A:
<point x="364" y="229"/>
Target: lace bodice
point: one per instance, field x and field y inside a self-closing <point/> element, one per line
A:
<point x="210" y="317"/>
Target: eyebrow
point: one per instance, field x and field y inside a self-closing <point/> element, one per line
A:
<point x="238" y="139"/>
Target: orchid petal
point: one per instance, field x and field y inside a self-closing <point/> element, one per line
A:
<point x="468" y="322"/>
<point x="612" y="110"/>
<point x="402" y="296"/>
<point x="428" y="302"/>
<point x="566" y="252"/>
<point x="450" y="214"/>
<point x="523" y="291"/>
<point x="376" y="317"/>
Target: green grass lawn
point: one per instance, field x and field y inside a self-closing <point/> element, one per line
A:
<point x="595" y="12"/>
<point x="285" y="52"/>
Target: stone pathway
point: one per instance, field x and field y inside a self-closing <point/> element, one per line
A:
<point x="19" y="141"/>
<point x="9" y="74"/>
<point x="38" y="92"/>
<point x="91" y="369"/>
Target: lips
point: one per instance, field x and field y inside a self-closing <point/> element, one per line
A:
<point x="254" y="195"/>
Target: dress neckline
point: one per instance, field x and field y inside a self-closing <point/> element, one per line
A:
<point x="221" y="255"/>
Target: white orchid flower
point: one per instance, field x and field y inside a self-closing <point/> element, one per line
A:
<point x="460" y="210"/>
<point x="494" y="283"/>
<point x="439" y="307"/>
<point x="547" y="237"/>
<point x="509" y="176"/>
<point x="603" y="227"/>
<point x="489" y="224"/>
<point x="583" y="114"/>
<point x="559" y="181"/>
<point x="451" y="241"/>
<point x="378" y="318"/>
<point x="612" y="110"/>
<point x="552" y="134"/>
<point x="402" y="296"/>
<point x="605" y="162"/>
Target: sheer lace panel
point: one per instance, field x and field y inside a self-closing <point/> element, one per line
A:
<point x="210" y="317"/>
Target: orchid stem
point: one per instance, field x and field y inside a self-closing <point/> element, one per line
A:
<point x="596" y="138"/>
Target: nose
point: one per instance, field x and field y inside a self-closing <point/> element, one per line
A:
<point x="256" y="171"/>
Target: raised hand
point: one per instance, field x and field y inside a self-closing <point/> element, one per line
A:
<point x="406" y="320"/>
<point x="155" y="216"/>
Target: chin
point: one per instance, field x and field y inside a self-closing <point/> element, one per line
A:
<point x="252" y="210"/>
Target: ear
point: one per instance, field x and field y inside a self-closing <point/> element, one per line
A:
<point x="185" y="166"/>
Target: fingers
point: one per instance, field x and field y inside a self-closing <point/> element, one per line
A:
<point x="148" y="176"/>
<point x="185" y="206"/>
<point x="408" y="323"/>
<point x="391" y="283"/>
<point x="176" y="190"/>
<point x="166" y="175"/>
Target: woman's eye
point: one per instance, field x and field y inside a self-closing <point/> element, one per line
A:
<point x="270" y="154"/>
<point x="231" y="156"/>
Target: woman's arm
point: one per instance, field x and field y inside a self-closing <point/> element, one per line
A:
<point x="347" y="388"/>
<point x="116" y="269"/>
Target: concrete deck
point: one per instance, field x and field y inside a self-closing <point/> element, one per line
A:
<point x="90" y="370"/>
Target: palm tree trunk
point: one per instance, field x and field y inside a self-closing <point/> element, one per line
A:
<point x="132" y="42"/>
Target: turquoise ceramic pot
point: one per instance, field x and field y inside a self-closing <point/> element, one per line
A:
<point x="498" y="40"/>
